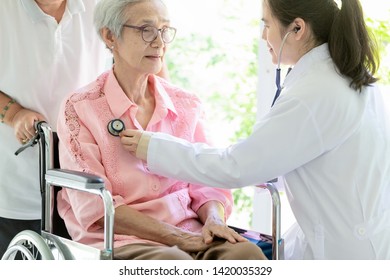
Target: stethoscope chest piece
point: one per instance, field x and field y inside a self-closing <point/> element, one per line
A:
<point x="115" y="127"/>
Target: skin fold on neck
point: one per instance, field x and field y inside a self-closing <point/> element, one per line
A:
<point x="54" y="8"/>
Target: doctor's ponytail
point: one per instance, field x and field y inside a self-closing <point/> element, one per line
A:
<point x="351" y="46"/>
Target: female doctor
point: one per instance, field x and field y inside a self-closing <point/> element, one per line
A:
<point x="326" y="134"/>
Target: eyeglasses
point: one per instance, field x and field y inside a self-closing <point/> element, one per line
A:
<point x="150" y="33"/>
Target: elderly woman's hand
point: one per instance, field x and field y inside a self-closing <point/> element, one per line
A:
<point x="211" y="214"/>
<point x="190" y="242"/>
<point x="216" y="229"/>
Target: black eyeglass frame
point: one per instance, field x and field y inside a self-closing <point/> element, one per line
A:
<point x="161" y="30"/>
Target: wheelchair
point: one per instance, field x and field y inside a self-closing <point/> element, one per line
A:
<point x="54" y="242"/>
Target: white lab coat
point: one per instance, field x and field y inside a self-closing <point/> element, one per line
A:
<point x="331" y="144"/>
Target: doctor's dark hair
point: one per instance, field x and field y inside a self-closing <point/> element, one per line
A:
<point x="351" y="46"/>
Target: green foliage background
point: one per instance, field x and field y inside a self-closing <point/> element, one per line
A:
<point x="381" y="31"/>
<point x="223" y="73"/>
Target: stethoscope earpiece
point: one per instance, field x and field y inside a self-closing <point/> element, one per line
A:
<point x="115" y="127"/>
<point x="278" y="86"/>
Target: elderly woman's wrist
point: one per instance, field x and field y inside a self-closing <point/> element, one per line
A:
<point x="143" y="144"/>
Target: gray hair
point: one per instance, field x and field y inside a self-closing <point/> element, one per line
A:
<point x="110" y="14"/>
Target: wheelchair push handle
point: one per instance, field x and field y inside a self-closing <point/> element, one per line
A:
<point x="34" y="140"/>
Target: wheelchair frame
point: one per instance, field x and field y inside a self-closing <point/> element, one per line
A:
<point x="49" y="246"/>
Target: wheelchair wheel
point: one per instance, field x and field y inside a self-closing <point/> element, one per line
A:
<point x="58" y="249"/>
<point x="28" y="245"/>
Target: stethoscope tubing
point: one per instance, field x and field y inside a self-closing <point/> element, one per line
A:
<point x="278" y="70"/>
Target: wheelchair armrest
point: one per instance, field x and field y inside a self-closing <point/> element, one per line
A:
<point x="74" y="180"/>
<point x="88" y="183"/>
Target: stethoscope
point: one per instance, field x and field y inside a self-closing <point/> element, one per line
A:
<point x="278" y="86"/>
<point x="115" y="127"/>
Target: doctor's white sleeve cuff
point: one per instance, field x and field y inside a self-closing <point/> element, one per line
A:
<point x="143" y="144"/>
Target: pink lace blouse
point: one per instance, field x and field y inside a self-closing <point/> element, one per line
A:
<point x="86" y="145"/>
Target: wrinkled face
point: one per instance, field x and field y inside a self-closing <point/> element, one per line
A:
<point x="272" y="35"/>
<point x="130" y="51"/>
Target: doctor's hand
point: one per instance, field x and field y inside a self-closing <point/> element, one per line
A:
<point x="136" y="142"/>
<point x="130" y="139"/>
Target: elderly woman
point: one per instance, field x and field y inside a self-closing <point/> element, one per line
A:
<point x="155" y="217"/>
